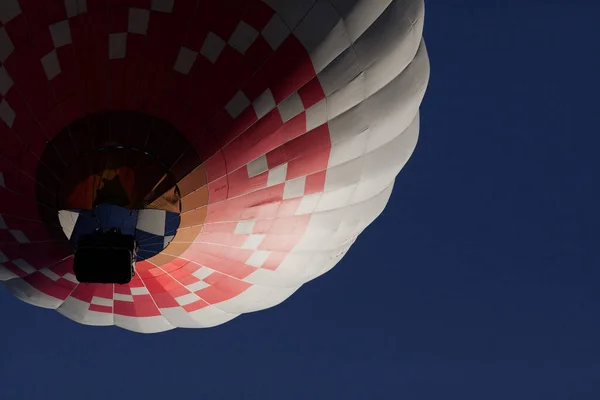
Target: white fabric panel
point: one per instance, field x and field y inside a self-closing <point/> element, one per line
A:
<point x="139" y="290"/>
<point x="152" y="221"/>
<point x="256" y="298"/>
<point x="294" y="188"/>
<point x="349" y="149"/>
<point x="316" y="115"/>
<point x="245" y="227"/>
<point x="277" y="175"/>
<point x="101" y="301"/>
<point x="264" y="104"/>
<point x="393" y="108"/>
<point x="8" y="10"/>
<point x="383" y="165"/>
<point x="382" y="52"/>
<point x="291" y="12"/>
<point x="253" y="241"/>
<point x="6" y="45"/>
<point x="275" y="32"/>
<point x="67" y="220"/>
<point x="178" y="317"/>
<point x="347" y="97"/>
<point x="61" y="33"/>
<point x="340" y="71"/>
<point x="23" y="291"/>
<point x="123" y="297"/>
<point x="344" y="175"/>
<point x="187" y="299"/>
<point x="24" y="266"/>
<point x="5" y="274"/>
<point x="144" y="324"/>
<point x="203" y="272"/>
<point x="383" y="116"/>
<point x="194" y="287"/>
<point x="323" y="34"/>
<point x="359" y="15"/>
<point x="138" y="21"/>
<point x="51" y="65"/>
<point x="258" y="258"/>
<point x="211" y="316"/>
<point x="19" y="236"/>
<point x="162" y="5"/>
<point x="75" y="7"/>
<point x="237" y="104"/>
<point x="82" y="5"/>
<point x="328" y="237"/>
<point x="242" y="37"/>
<point x="390" y="44"/>
<point x="50" y="274"/>
<point x="7" y="114"/>
<point x="258" y="166"/>
<point x="6" y="81"/>
<point x="308" y="204"/>
<point x="290" y="107"/>
<point x="78" y="311"/>
<point x="117" y="45"/>
<point x="212" y="47"/>
<point x="185" y="60"/>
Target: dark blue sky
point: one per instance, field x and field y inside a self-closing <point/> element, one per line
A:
<point x="487" y="273"/>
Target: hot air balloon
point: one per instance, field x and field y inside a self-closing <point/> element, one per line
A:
<point x="177" y="163"/>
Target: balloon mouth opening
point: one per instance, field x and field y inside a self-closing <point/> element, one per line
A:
<point x="118" y="170"/>
<point x="123" y="176"/>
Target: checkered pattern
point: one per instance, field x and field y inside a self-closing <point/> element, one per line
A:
<point x="265" y="92"/>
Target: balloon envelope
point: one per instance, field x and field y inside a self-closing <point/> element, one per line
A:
<point x="245" y="143"/>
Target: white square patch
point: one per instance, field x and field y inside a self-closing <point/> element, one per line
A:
<point x="8" y="10"/>
<point x="117" y="45"/>
<point x="264" y="104"/>
<point x="257" y="167"/>
<point x="7" y="114"/>
<point x="212" y="47"/>
<point x="19" y="236"/>
<point x="194" y="287"/>
<point x="245" y="227"/>
<point x="243" y="37"/>
<point x="294" y="188"/>
<point x="253" y="241"/>
<point x="187" y="299"/>
<point x="24" y="266"/>
<point x="275" y="32"/>
<point x="50" y="274"/>
<point x="138" y="21"/>
<point x="185" y="60"/>
<point x="258" y="258"/>
<point x="101" y="301"/>
<point x="162" y="5"/>
<point x="277" y="175"/>
<point x="237" y="104"/>
<point x="61" y="33"/>
<point x="6" y="81"/>
<point x="124" y="297"/>
<point x="290" y="107"/>
<point x="6" y="45"/>
<point x="51" y="65"/>
<point x="316" y="115"/>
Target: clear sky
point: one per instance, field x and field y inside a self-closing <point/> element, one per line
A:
<point x="479" y="281"/>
